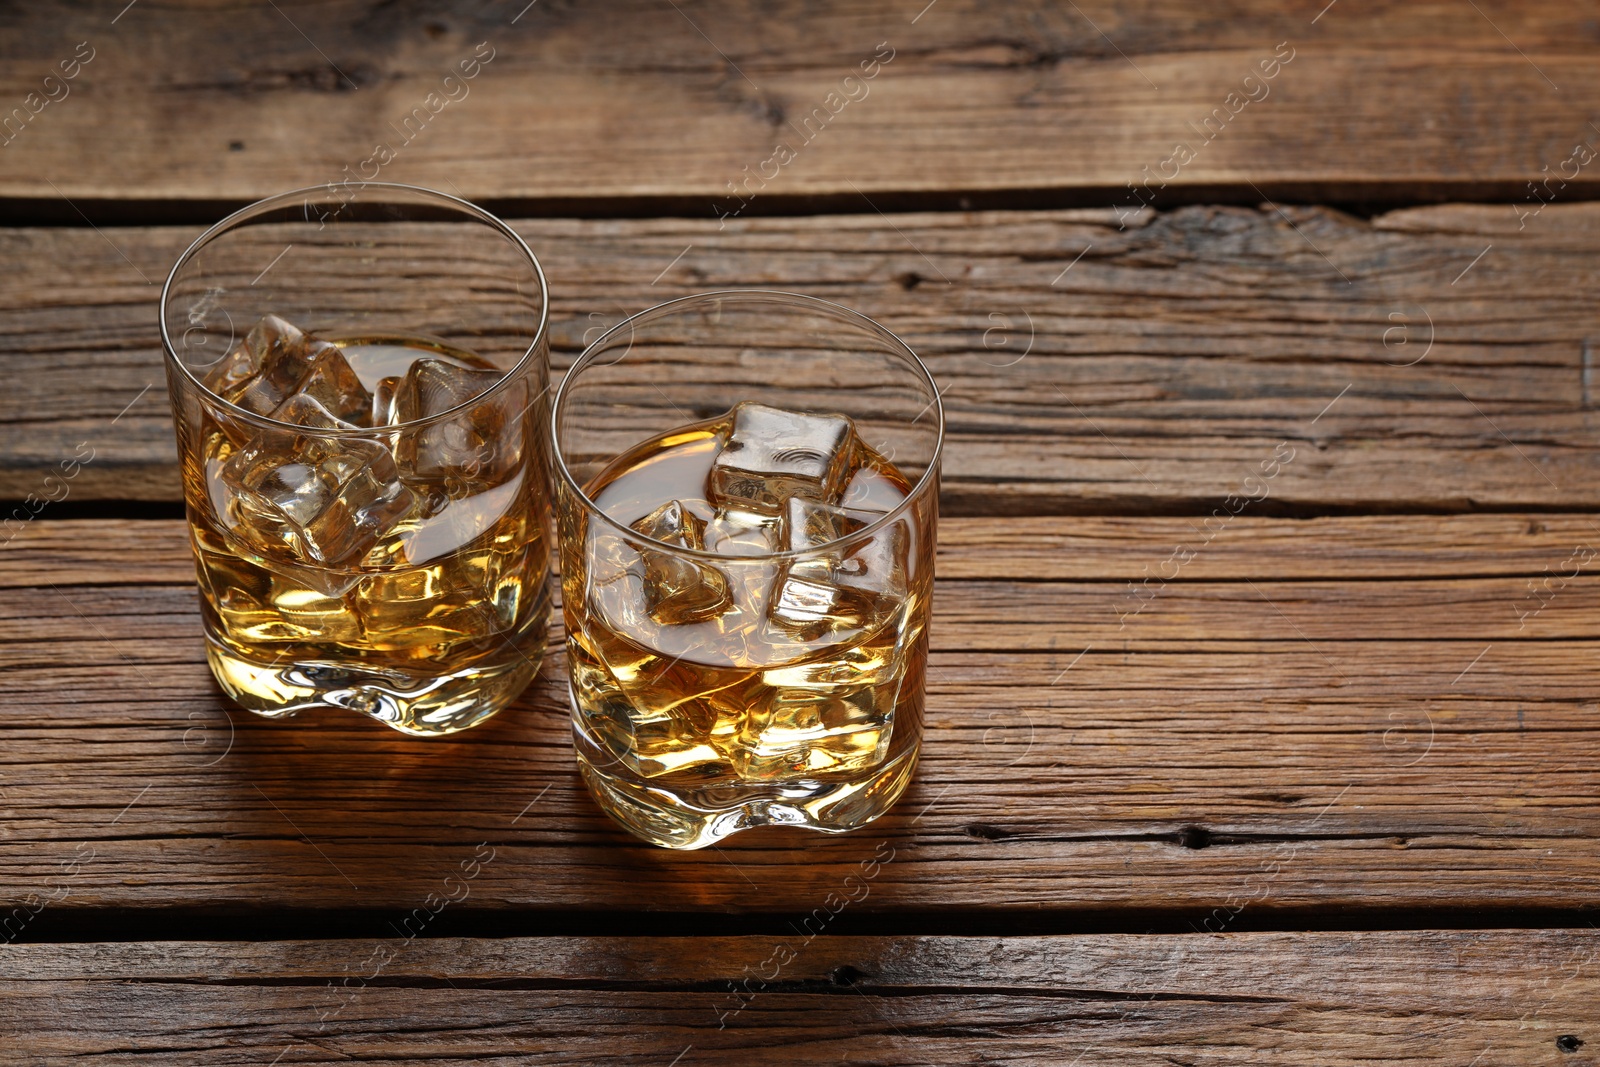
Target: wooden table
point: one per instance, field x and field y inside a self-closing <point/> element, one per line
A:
<point x="1223" y="766"/>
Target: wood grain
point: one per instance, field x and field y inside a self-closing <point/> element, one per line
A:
<point x="1156" y="374"/>
<point x="1284" y="725"/>
<point x="1362" y="696"/>
<point x="1426" y="997"/>
<point x="585" y="104"/>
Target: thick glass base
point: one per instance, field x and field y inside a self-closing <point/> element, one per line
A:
<point x="421" y="704"/>
<point x="674" y="815"/>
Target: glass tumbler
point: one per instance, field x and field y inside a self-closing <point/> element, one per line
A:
<point x="358" y="376"/>
<point x="747" y="488"/>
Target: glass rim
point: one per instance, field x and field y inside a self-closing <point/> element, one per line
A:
<point x="468" y="208"/>
<point x="590" y="354"/>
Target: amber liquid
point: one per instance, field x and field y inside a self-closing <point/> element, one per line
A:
<point x="814" y="726"/>
<point x="436" y="626"/>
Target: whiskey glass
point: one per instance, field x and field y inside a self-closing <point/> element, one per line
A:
<point x="358" y="376"/>
<point x="747" y="491"/>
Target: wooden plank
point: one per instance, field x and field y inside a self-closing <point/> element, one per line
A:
<point x="1083" y="548"/>
<point x="1325" y="999"/>
<point x="1168" y="365"/>
<point x="1335" y="738"/>
<point x="574" y="105"/>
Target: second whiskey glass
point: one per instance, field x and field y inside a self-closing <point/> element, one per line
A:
<point x="747" y="488"/>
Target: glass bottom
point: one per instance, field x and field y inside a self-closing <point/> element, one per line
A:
<point x="419" y="704"/>
<point x="687" y="817"/>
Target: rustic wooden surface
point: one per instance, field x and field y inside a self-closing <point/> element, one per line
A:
<point x="1313" y="783"/>
<point x="1447" y="998"/>
<point x="646" y="104"/>
<point x="1333" y="716"/>
<point x="1154" y="375"/>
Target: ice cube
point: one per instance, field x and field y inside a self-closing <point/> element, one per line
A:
<point x="219" y="444"/>
<point x="383" y="398"/>
<point x="321" y="504"/>
<point x="646" y="721"/>
<point x="435" y="385"/>
<point x="368" y="504"/>
<point x="233" y="371"/>
<point x="238" y="590"/>
<point x="772" y="454"/>
<point x="302" y="409"/>
<point x="813" y="730"/>
<point x="260" y="373"/>
<point x="731" y="532"/>
<point x="679" y="590"/>
<point x="267" y="341"/>
<point x="450" y="604"/>
<point x="315" y="615"/>
<point x="332" y="383"/>
<point x="476" y="446"/>
<point x="855" y="587"/>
